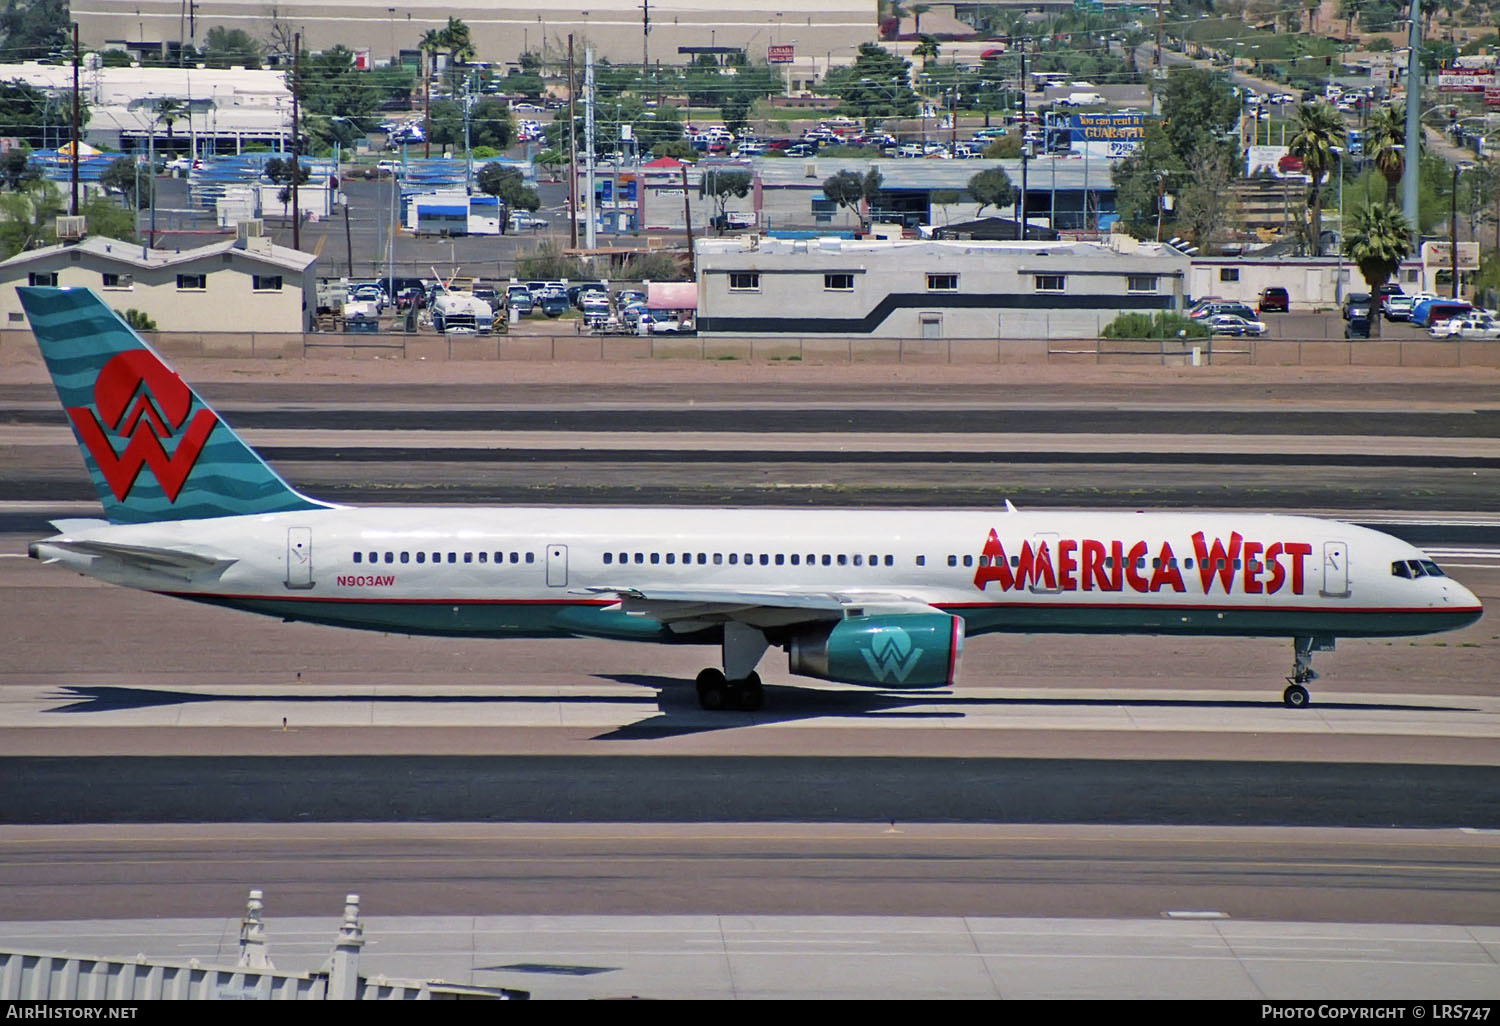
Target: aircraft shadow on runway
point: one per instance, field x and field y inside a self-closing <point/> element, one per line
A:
<point x="677" y="704"/>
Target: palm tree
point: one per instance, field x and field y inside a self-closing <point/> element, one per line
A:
<point x="455" y="37"/>
<point x="1385" y="143"/>
<point x="430" y="44"/>
<point x="927" y="49"/>
<point x="1319" y="131"/>
<point x="1379" y="239"/>
<point x="168" y="110"/>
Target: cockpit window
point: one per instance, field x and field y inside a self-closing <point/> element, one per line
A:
<point x="1414" y="568"/>
<point x="1400" y="569"/>
<point x="1433" y="570"/>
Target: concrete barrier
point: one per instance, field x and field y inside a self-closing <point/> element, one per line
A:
<point x="1263" y="352"/>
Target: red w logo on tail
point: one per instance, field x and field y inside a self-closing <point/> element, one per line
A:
<point x="142" y="401"/>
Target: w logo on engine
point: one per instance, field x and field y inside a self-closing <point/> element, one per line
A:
<point x="142" y="402"/>
<point x="892" y="655"/>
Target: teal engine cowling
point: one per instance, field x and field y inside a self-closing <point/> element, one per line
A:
<point x="908" y="650"/>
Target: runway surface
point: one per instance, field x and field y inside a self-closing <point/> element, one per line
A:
<point x="1082" y="789"/>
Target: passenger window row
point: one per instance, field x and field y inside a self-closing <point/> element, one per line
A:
<point x="1109" y="562"/>
<point x="751" y="559"/>
<point x="442" y="557"/>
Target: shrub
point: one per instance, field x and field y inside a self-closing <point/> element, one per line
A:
<point x="1163" y="325"/>
<point x="138" y="320"/>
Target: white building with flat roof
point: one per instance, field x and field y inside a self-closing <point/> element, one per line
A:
<point x="818" y="30"/>
<point x="219" y="109"/>
<point x="929" y="289"/>
<point x="245" y="284"/>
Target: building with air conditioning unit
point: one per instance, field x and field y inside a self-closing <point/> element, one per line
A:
<point x="247" y="283"/>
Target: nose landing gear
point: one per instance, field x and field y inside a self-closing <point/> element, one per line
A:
<point x="1295" y="696"/>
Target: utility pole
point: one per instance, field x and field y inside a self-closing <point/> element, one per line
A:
<point x="1409" y="191"/>
<point x="687" y="220"/>
<point x="588" y="148"/>
<point x="296" y="131"/>
<point x="572" y="151"/>
<point x="1025" y="130"/>
<point x="645" y="36"/>
<point x="73" y="209"/>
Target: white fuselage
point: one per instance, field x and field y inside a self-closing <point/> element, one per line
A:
<point x="403" y="568"/>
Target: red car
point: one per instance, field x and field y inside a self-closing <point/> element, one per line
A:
<point x="1274" y="300"/>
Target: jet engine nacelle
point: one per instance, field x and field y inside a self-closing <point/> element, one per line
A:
<point x="916" y="650"/>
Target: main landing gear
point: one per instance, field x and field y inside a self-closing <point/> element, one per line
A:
<point x="1295" y="695"/>
<point x="716" y="692"/>
<point x="737" y="686"/>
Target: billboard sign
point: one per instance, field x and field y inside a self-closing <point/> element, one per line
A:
<point x="780" y="53"/>
<point x="1465" y="80"/>
<point x="1106" y="135"/>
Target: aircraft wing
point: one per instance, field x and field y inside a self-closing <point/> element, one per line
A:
<point x="171" y="562"/>
<point x="694" y="608"/>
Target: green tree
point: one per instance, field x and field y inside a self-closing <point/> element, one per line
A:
<point x="927" y="49"/>
<point x="108" y="219"/>
<point x="1319" y="131"/>
<point x="876" y="85"/>
<point x="490" y="124"/>
<point x="138" y="320"/>
<point x="551" y="160"/>
<point x="227" y="47"/>
<point x="460" y="47"/>
<point x="1379" y="239"/>
<point x="1385" y="145"/>
<point x="721" y="187"/>
<point x="122" y="176"/>
<point x="677" y="149"/>
<point x="34" y="29"/>
<point x="38" y="118"/>
<point x="992" y="188"/>
<point x="1197" y="104"/>
<point x="510" y="187"/>
<point x="28" y="217"/>
<point x="16" y="167"/>
<point x="855" y="193"/>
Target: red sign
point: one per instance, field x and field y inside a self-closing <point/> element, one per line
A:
<point x="780" y="54"/>
<point x="1492" y="96"/>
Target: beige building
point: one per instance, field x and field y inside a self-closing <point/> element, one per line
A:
<point x="245" y="284"/>
<point x="818" y="30"/>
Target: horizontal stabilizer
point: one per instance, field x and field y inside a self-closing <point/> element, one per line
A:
<point x="171" y="562"/>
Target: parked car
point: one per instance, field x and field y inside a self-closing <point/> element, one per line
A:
<point x="1231" y="324"/>
<point x="520" y="220"/>
<point x="1353" y="300"/>
<point x="553" y="302"/>
<point x="1218" y="308"/>
<point x="1274" y="300"/>
<point x="1398" y="307"/>
<point x="1427" y="312"/>
<point x="1475" y="325"/>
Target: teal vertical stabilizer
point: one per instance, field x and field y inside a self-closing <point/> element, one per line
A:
<point x="154" y="449"/>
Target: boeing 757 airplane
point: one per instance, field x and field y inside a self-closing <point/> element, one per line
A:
<point x="874" y="597"/>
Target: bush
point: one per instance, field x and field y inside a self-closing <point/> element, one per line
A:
<point x="138" y="320"/>
<point x="1163" y="325"/>
<point x="549" y="263"/>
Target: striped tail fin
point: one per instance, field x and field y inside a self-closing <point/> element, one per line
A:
<point x="155" y="450"/>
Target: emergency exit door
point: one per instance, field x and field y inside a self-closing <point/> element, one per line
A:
<point x="1335" y="570"/>
<point x="557" y="566"/>
<point x="299" y="557"/>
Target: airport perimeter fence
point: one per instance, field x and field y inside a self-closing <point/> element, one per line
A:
<point x="822" y="349"/>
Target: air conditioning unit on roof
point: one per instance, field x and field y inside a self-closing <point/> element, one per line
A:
<point x="71" y="228"/>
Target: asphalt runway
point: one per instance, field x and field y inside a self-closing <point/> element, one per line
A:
<point x="1103" y="778"/>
